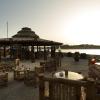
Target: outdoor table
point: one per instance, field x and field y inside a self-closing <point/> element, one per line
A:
<point x="70" y="75"/>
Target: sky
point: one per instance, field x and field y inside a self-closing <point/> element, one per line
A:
<point x="71" y="22"/>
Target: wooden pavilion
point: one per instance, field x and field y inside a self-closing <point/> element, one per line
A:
<point x="27" y="45"/>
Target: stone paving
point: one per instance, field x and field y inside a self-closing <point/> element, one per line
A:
<point x="19" y="91"/>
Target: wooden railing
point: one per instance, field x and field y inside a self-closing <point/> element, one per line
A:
<point x="63" y="89"/>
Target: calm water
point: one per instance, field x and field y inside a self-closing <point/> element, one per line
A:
<point x="87" y="51"/>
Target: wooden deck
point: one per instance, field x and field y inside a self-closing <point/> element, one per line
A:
<point x="19" y="91"/>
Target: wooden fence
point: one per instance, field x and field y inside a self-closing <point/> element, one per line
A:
<point x="61" y="89"/>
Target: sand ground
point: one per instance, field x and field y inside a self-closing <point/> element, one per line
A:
<point x="19" y="91"/>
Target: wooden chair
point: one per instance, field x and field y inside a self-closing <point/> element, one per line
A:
<point x="18" y="75"/>
<point x="50" y="65"/>
<point x="3" y="79"/>
<point x="42" y="63"/>
<point x="39" y="70"/>
<point x="30" y="78"/>
<point x="63" y="89"/>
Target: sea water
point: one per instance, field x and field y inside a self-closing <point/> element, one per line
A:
<point x="87" y="51"/>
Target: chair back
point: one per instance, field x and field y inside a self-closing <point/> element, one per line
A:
<point x="50" y="65"/>
<point x="30" y="78"/>
<point x="39" y="70"/>
<point x="18" y="75"/>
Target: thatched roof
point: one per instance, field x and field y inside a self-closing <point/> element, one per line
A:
<point x="27" y="37"/>
<point x="26" y="33"/>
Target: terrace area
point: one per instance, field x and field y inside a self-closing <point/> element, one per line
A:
<point x="17" y="90"/>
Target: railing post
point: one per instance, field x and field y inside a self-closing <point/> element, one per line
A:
<point x="90" y="90"/>
<point x="41" y="87"/>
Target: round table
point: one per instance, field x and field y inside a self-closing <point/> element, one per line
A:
<point x="70" y="75"/>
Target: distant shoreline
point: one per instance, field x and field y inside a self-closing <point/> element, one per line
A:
<point x="83" y="46"/>
<point x="80" y="48"/>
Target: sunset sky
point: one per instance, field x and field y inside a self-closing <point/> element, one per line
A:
<point x="66" y="21"/>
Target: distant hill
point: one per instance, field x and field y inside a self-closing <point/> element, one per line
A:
<point x="82" y="46"/>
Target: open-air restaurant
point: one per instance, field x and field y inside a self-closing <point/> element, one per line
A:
<point x="33" y="62"/>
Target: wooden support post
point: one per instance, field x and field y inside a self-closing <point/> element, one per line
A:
<point x="21" y="52"/>
<point x="4" y="54"/>
<point x="10" y="52"/>
<point x="17" y="52"/>
<point x="52" y="51"/>
<point x="45" y="55"/>
<point x="32" y="54"/>
<point x="91" y="90"/>
<point x="37" y="52"/>
<point x="0" y="54"/>
<point x="13" y="52"/>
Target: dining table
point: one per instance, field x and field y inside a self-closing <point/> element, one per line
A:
<point x="68" y="75"/>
